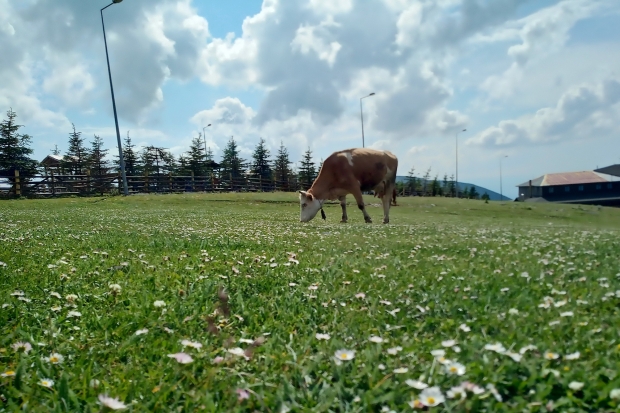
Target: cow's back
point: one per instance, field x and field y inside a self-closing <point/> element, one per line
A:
<point x="368" y="166"/>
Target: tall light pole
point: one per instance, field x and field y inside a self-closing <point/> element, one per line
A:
<point x="501" y="194"/>
<point x="118" y="135"/>
<point x="362" y="115"/>
<point x="204" y="136"/>
<point x="457" y="162"/>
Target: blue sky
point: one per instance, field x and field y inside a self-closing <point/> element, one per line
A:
<point x="534" y="80"/>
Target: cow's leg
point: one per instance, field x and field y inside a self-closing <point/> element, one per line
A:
<point x="386" y="205"/>
<point x="343" y="205"/>
<point x="357" y="194"/>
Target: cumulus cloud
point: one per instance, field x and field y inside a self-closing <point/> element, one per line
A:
<point x="541" y="33"/>
<point x="582" y="112"/>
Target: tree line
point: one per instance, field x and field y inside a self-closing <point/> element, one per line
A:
<point x="82" y="157"/>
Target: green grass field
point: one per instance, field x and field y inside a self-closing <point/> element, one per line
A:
<point x="228" y="303"/>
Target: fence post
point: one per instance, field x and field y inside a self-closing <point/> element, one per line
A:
<point x="171" y="189"/>
<point x="146" y="182"/>
<point x="88" y="180"/>
<point x="18" y="188"/>
<point x="53" y="184"/>
<point x="193" y="190"/>
<point x="212" y="182"/>
<point x="232" y="183"/>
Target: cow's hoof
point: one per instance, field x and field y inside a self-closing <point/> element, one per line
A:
<point x="343" y="221"/>
<point x="368" y="221"/>
<point x="386" y="222"/>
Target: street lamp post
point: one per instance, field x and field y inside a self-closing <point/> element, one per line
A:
<point x="501" y="194"/>
<point x="118" y="135"/>
<point x="362" y="116"/>
<point x="204" y="136"/>
<point x="457" y="162"/>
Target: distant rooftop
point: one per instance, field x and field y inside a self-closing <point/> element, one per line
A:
<point x="610" y="170"/>
<point x="570" y="178"/>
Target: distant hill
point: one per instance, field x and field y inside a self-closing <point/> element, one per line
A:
<point x="493" y="196"/>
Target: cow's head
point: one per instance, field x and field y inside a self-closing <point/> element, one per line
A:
<point x="309" y="206"/>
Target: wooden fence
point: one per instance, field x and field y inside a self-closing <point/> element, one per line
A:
<point x="85" y="185"/>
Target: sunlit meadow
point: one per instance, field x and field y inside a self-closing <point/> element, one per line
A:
<point x="228" y="303"/>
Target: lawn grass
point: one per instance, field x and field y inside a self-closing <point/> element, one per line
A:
<point x="506" y="290"/>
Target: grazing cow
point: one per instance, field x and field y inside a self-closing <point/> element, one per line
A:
<point x="351" y="171"/>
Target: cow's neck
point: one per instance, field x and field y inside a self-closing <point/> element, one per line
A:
<point x="319" y="190"/>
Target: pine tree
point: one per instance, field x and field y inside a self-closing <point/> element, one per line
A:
<point x="77" y="155"/>
<point x="426" y="180"/>
<point x="15" y="150"/>
<point x="55" y="151"/>
<point x="260" y="161"/>
<point x="435" y="186"/>
<point x="132" y="163"/>
<point x="452" y="186"/>
<point x="195" y="158"/>
<point x="445" y="189"/>
<point x="99" y="165"/>
<point x="281" y="168"/>
<point x="473" y="193"/>
<point x="232" y="163"/>
<point x="209" y="161"/>
<point x="307" y="170"/>
<point x="411" y="180"/>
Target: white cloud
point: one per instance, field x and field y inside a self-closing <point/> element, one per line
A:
<point x="583" y="112"/>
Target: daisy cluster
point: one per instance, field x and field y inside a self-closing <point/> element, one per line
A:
<point x="189" y="303"/>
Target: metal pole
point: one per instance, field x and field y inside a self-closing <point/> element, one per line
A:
<point x="362" y="117"/>
<point x="501" y="193"/>
<point x="118" y="135"/>
<point x="457" y="163"/>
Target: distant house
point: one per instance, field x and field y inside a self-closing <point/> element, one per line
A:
<point x="600" y="187"/>
<point x="56" y="164"/>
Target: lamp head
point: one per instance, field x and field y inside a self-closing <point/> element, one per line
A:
<point x="116" y="1"/>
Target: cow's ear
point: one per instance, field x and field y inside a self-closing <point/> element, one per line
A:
<point x="310" y="198"/>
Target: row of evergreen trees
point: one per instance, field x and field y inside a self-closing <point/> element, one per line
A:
<point x="82" y="156"/>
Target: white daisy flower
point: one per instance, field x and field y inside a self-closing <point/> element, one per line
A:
<point x="575" y="385"/>
<point x="438" y="353"/>
<point x="142" y="331"/>
<point x="46" y="383"/>
<point x="465" y="328"/>
<point x="567" y="314"/>
<point x="22" y="346"/>
<point x="416" y="384"/>
<point x="376" y="339"/>
<point x="448" y="343"/>
<point x="320" y="336"/>
<point x="182" y="358"/>
<point x="549" y="355"/>
<point x="55" y="358"/>
<point x="115" y="288"/>
<point x="515" y="356"/>
<point x="344" y="354"/>
<point x="193" y="344"/>
<point x="455" y="368"/>
<point x="614" y="394"/>
<point x="394" y="350"/>
<point x="456" y="392"/>
<point x="74" y="314"/>
<point x="8" y="373"/>
<point x="111" y="403"/>
<point x="572" y="356"/>
<point x="55" y="294"/>
<point x="527" y="348"/>
<point x="401" y="370"/>
<point x="159" y="303"/>
<point x="71" y="297"/>
<point x="237" y="351"/>
<point x="497" y="347"/>
<point x="431" y="396"/>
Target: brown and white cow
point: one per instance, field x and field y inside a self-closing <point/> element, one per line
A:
<point x="351" y="171"/>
